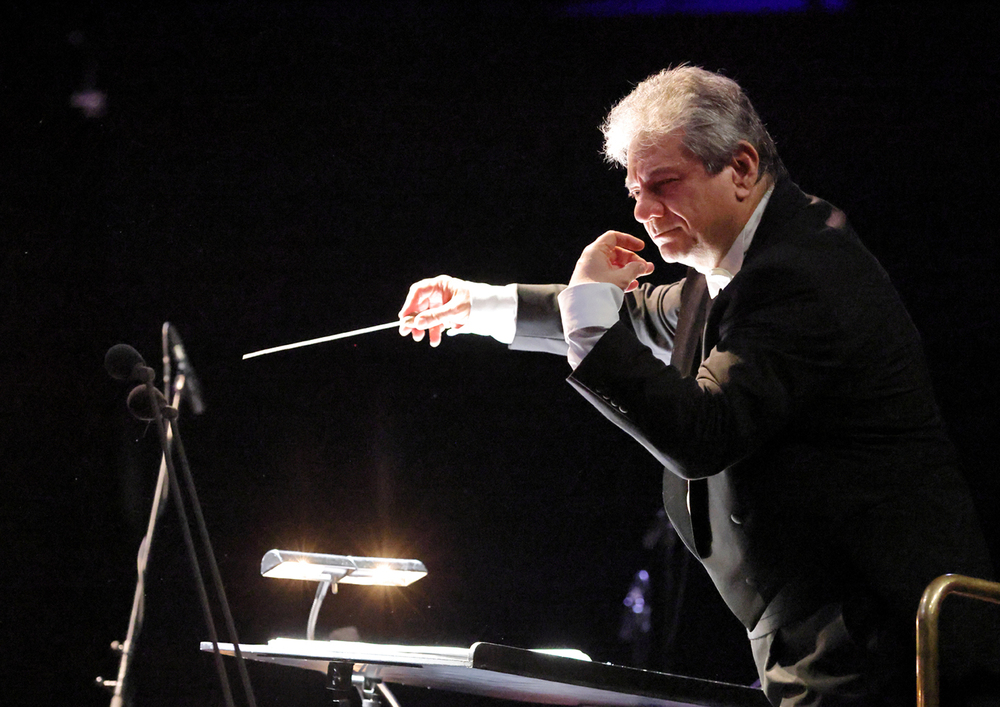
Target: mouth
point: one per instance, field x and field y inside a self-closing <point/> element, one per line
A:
<point x="664" y="236"/>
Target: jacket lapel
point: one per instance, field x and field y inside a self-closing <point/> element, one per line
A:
<point x="687" y="357"/>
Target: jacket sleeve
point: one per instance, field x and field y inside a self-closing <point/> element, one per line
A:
<point x="775" y="344"/>
<point x="650" y="312"/>
<point x="539" y="325"/>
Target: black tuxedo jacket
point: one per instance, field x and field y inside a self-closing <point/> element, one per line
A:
<point x="805" y="458"/>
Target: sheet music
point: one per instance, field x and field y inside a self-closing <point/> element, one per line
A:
<point x="385" y="653"/>
<point x="373" y="652"/>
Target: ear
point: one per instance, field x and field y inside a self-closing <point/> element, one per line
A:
<point x="745" y="164"/>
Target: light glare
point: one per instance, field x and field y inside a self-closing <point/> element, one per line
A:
<point x="315" y="567"/>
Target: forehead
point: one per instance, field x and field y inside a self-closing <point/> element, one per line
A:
<point x="666" y="153"/>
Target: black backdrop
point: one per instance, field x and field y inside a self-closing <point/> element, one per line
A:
<point x="266" y="173"/>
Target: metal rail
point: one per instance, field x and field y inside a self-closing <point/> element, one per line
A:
<point x="928" y="675"/>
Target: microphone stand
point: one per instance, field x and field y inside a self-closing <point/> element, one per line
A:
<point x="119" y="696"/>
<point x="168" y="435"/>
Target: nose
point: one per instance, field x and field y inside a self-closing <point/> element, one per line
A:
<point x="646" y="207"/>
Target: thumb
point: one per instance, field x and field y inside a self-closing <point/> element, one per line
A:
<point x="636" y="267"/>
<point x="635" y="270"/>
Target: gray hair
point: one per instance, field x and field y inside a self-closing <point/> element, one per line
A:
<point x="711" y="110"/>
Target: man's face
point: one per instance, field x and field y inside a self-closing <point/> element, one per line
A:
<point x="692" y="216"/>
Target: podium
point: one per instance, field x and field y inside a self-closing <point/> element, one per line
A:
<point x="492" y="670"/>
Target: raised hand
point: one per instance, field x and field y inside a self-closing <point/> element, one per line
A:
<point x="612" y="258"/>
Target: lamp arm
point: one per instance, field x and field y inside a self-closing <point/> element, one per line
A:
<point x="321" y="591"/>
<point x="327" y="584"/>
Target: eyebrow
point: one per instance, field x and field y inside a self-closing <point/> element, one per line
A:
<point x="629" y="185"/>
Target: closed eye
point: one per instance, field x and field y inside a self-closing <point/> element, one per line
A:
<point x="656" y="187"/>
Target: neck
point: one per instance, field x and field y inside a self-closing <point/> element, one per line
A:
<point x="742" y="215"/>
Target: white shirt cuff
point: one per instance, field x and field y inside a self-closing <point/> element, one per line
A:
<point x="588" y="310"/>
<point x="493" y="312"/>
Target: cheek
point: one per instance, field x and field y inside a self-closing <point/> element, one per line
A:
<point x="694" y="218"/>
<point x="679" y="213"/>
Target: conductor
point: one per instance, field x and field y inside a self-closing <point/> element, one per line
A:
<point x="781" y="384"/>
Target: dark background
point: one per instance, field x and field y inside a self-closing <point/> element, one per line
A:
<point x="267" y="173"/>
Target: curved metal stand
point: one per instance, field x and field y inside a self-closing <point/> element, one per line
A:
<point x="321" y="591"/>
<point x="928" y="676"/>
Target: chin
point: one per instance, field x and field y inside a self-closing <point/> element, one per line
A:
<point x="670" y="255"/>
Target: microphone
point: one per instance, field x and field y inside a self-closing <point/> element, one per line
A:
<point x="184" y="368"/>
<point x="122" y="362"/>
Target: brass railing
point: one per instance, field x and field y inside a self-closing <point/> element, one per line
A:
<point x="928" y="676"/>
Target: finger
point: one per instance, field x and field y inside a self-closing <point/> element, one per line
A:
<point x="421" y="293"/>
<point x="634" y="270"/>
<point x="413" y="295"/>
<point x="621" y="257"/>
<point x="625" y="240"/>
<point x="434" y="336"/>
<point x="444" y="314"/>
<point x="406" y="326"/>
<point x="635" y="283"/>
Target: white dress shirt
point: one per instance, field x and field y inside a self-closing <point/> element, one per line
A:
<point x="493" y="313"/>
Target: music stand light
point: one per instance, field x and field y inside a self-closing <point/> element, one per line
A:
<point x="331" y="570"/>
